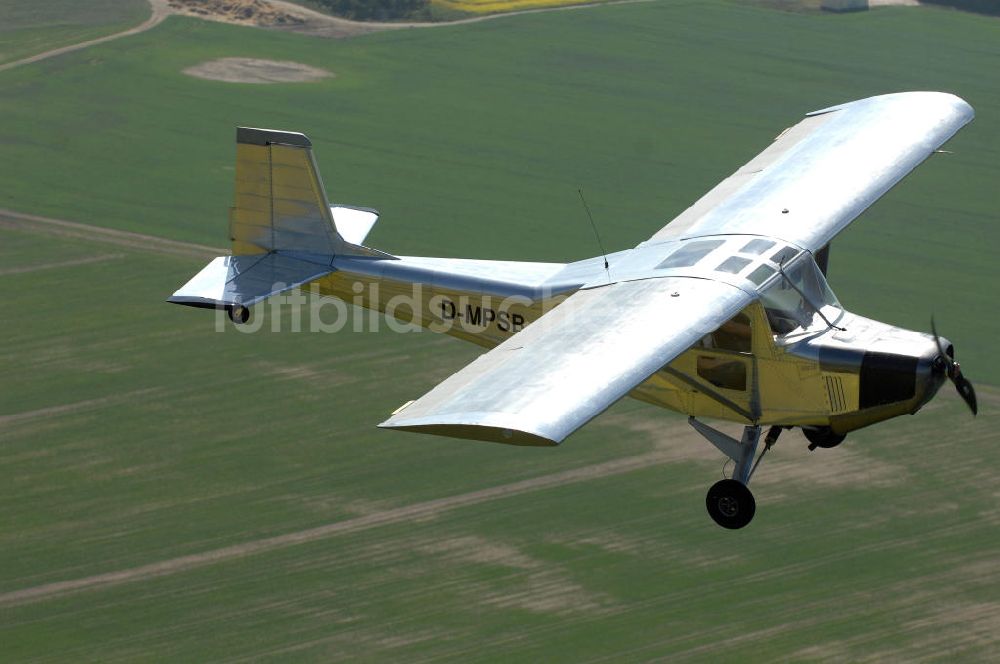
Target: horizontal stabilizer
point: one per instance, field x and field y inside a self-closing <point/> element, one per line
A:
<point x="245" y="280"/>
<point x="353" y="223"/>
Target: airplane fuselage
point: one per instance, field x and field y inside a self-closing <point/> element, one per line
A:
<point x="766" y="366"/>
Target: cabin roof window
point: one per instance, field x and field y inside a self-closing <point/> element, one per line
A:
<point x="734" y="264"/>
<point x="757" y="246"/>
<point x="761" y="274"/>
<point x="784" y="255"/>
<point x="690" y="253"/>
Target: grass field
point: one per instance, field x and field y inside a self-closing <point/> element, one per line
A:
<point x="173" y="493"/>
<point x="29" y="26"/>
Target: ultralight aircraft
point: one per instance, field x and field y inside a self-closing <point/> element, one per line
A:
<point x="724" y="313"/>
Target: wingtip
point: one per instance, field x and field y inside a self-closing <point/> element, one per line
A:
<point x="962" y="107"/>
<point x="258" y="136"/>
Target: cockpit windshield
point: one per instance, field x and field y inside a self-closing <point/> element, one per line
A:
<point x="798" y="299"/>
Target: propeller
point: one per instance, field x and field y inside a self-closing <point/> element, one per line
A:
<point x="954" y="372"/>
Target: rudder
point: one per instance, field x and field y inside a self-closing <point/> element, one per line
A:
<point x="280" y="204"/>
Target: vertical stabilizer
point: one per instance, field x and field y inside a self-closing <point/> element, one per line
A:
<point x="280" y="204"/>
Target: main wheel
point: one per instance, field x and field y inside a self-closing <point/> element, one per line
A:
<point x="730" y="504"/>
<point x="823" y="437"/>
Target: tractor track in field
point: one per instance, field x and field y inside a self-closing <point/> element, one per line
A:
<point x="78" y="406"/>
<point x="422" y="510"/>
<point x="32" y="223"/>
<point x="4" y="272"/>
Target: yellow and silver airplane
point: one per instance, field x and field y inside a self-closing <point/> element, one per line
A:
<point x="724" y="313"/>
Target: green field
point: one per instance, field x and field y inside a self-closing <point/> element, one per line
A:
<point x="173" y="493"/>
<point x="28" y="27"/>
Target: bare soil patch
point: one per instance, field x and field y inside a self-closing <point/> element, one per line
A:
<point x="245" y="12"/>
<point x="274" y="14"/>
<point x="254" y="70"/>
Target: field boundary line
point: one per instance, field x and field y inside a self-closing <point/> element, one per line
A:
<point x="422" y="510"/>
<point x="160" y="12"/>
<point x="49" y="226"/>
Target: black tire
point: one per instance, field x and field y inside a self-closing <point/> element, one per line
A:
<point x="238" y="314"/>
<point x="730" y="504"/>
<point x="824" y="437"/>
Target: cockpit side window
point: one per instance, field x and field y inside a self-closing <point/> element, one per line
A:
<point x="728" y="373"/>
<point x="734" y="335"/>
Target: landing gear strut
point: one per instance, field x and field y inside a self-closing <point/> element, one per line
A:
<point x="730" y="502"/>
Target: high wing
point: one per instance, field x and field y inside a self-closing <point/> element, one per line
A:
<point x="574" y="362"/>
<point x="819" y="175"/>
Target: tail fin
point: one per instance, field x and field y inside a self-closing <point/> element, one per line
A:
<point x="280" y="203"/>
<point x="281" y="225"/>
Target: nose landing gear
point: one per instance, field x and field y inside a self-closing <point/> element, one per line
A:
<point x="730" y="502"/>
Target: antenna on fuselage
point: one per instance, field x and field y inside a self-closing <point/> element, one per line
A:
<point x="596" y="234"/>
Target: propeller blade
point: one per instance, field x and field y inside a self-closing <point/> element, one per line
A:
<point x="966" y="391"/>
<point x="954" y="372"/>
<point x="937" y="340"/>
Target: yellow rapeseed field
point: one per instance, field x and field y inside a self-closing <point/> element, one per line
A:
<point x="491" y="6"/>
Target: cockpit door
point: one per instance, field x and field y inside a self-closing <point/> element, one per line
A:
<point x="723" y="368"/>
